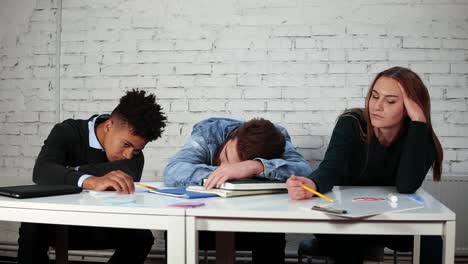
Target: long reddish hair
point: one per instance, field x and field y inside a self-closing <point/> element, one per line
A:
<point x="418" y="92"/>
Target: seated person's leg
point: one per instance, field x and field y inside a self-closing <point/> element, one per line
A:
<point x="431" y="247"/>
<point x="131" y="245"/>
<point x="347" y="249"/>
<point x="265" y="247"/>
<point x="206" y="240"/>
<point x="398" y="243"/>
<point x="34" y="241"/>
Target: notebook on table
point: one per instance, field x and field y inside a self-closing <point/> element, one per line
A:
<point x="255" y="183"/>
<point x="182" y="193"/>
<point x="32" y="191"/>
<point x="233" y="193"/>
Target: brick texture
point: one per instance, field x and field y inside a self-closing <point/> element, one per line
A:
<point x="299" y="63"/>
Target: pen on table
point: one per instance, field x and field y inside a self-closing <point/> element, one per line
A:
<point x="147" y="186"/>
<point x="307" y="188"/>
<point x="329" y="210"/>
<point x="416" y="197"/>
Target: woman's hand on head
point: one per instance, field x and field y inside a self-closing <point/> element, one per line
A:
<point x="295" y="191"/>
<point x="413" y="110"/>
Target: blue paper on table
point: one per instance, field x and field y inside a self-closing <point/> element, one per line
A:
<point x="182" y="193"/>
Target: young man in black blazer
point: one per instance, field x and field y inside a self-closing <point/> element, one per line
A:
<point x="101" y="153"/>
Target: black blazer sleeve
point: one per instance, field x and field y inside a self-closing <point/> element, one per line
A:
<point x="133" y="167"/>
<point x="50" y="167"/>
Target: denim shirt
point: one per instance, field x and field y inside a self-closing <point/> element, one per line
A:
<point x="194" y="161"/>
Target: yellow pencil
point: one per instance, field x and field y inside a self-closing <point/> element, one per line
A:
<point x="147" y="186"/>
<point x="307" y="188"/>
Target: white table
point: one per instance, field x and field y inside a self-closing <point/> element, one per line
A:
<point x="277" y="213"/>
<point x="86" y="210"/>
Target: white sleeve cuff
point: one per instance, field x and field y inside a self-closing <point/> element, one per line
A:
<point x="82" y="179"/>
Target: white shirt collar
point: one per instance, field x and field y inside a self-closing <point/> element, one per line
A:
<point x="93" y="141"/>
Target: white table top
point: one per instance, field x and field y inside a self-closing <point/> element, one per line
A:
<point x="275" y="206"/>
<point x="141" y="210"/>
<point x="280" y="206"/>
<point x="142" y="203"/>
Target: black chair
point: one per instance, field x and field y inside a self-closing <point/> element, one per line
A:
<point x="311" y="248"/>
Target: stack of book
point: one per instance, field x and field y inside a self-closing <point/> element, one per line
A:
<point x="254" y="186"/>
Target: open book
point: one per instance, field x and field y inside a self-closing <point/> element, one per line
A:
<point x="233" y="193"/>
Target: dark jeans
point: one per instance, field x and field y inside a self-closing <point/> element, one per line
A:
<point x="131" y="245"/>
<point x="265" y="247"/>
<point x="350" y="248"/>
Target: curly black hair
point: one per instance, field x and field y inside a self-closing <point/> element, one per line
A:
<point x="142" y="113"/>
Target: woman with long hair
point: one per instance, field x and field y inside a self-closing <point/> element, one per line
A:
<point x="390" y="142"/>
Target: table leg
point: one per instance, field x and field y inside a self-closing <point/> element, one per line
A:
<point x="176" y="240"/>
<point x="191" y="240"/>
<point x="416" y="249"/>
<point x="225" y="248"/>
<point x="449" y="242"/>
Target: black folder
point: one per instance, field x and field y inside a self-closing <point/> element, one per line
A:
<point x="32" y="191"/>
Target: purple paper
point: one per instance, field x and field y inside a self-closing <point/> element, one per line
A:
<point x="187" y="204"/>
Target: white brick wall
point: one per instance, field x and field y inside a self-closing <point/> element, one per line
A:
<point x="299" y="63"/>
<point x="27" y="71"/>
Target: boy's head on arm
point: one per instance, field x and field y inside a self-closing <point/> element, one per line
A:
<point x="137" y="120"/>
<point x="257" y="138"/>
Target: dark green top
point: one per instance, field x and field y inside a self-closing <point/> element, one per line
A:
<point x="403" y="164"/>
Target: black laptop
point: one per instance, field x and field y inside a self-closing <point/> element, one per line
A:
<point x="32" y="191"/>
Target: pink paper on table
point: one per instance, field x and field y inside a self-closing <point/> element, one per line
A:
<point x="187" y="204"/>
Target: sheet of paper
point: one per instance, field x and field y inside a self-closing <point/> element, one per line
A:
<point x="368" y="201"/>
<point x="138" y="189"/>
